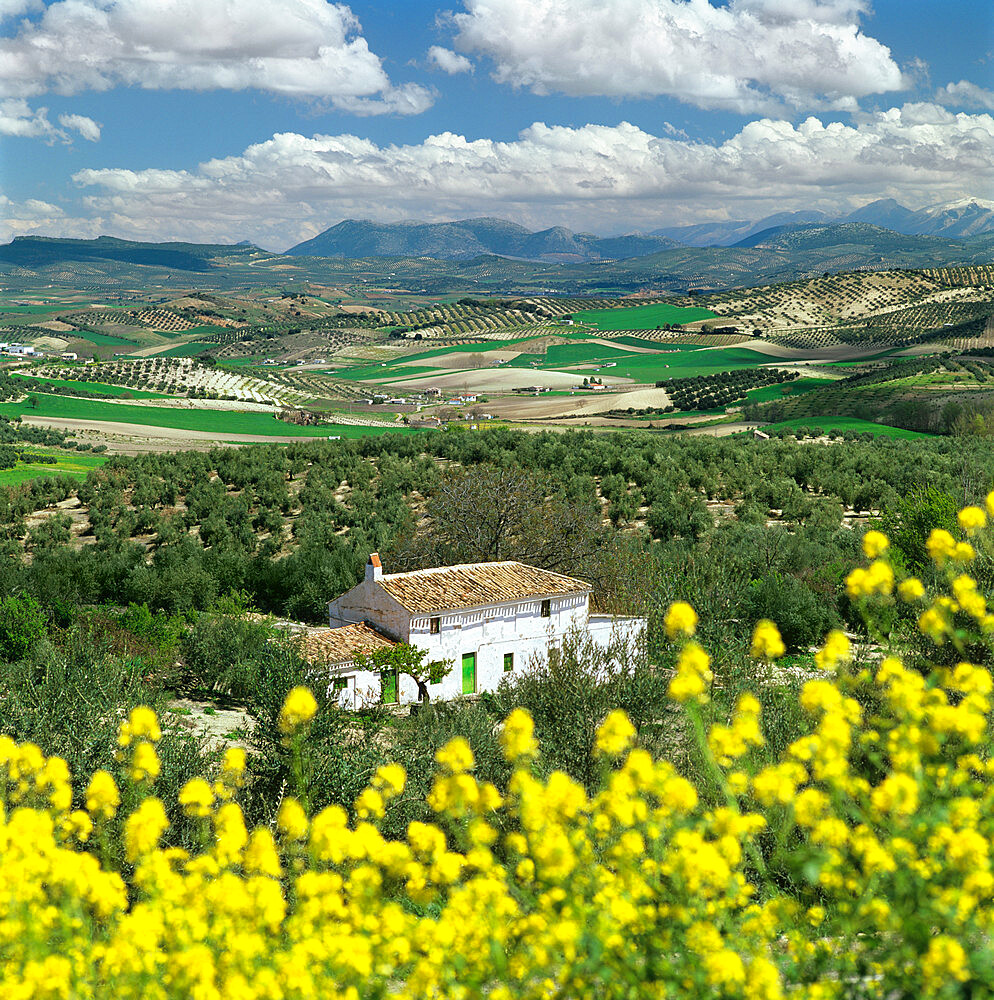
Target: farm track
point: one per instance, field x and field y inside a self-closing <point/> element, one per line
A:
<point x="132" y="439"/>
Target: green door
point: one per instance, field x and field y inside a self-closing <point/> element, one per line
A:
<point x="389" y="687"/>
<point x="469" y="673"/>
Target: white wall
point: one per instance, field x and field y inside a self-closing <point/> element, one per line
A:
<point x="489" y="632"/>
<point x="369" y="602"/>
<point x="605" y="629"/>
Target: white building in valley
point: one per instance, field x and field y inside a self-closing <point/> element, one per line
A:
<point x="489" y="619"/>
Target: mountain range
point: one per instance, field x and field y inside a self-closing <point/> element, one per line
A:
<point x="952" y="220"/>
<point x="468" y="238"/>
<point x="784" y="252"/>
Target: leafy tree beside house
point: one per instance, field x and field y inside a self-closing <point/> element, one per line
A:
<point x="405" y="659"/>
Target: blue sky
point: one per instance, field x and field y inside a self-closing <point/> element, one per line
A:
<point x="270" y="120"/>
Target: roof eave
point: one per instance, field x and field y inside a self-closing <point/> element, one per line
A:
<point x="496" y="604"/>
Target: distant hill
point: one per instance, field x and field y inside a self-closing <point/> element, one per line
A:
<point x="862" y="237"/>
<point x="957" y="219"/>
<point x="40" y="251"/>
<point x="954" y="220"/>
<point x="470" y="238"/>
<point x="725" y="234"/>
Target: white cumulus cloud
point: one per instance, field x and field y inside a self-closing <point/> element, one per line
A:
<point x="18" y="118"/>
<point x="448" y="61"/>
<point x="750" y="55"/>
<point x="86" y="127"/>
<point x="36" y="217"/>
<point x="298" y="48"/>
<point x="15" y="8"/>
<point x="600" y="178"/>
<point x="965" y="95"/>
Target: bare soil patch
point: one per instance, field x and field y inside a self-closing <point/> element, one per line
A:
<point x="133" y="439"/>
<point x="531" y="408"/>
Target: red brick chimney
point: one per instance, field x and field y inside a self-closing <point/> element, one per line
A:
<point x="374" y="568"/>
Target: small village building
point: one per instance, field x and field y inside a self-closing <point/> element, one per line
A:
<point x="489" y="619"/>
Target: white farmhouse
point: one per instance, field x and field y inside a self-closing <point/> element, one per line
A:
<point x="487" y="618"/>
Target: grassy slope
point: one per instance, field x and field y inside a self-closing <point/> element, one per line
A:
<point x="94" y="338"/>
<point x="642" y="317"/>
<point x="681" y="364"/>
<point x="848" y="424"/>
<point x="219" y="422"/>
<point x="38" y="385"/>
<point x="75" y="464"/>
<point x="187" y="350"/>
<point x="801" y="385"/>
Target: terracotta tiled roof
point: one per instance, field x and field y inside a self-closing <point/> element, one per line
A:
<point x="474" y="584"/>
<point x="336" y="645"/>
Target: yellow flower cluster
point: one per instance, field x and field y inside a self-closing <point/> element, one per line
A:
<point x="693" y="675"/>
<point x="680" y="620"/>
<point x="859" y="861"/>
<point x="766" y="641"/>
<point x="298" y="710"/>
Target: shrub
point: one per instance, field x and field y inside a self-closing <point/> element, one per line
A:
<point x="22" y="626"/>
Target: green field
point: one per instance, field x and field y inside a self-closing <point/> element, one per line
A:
<point x="219" y="422"/>
<point x="644" y="367"/>
<point x="75" y="464"/>
<point x="33" y="384"/>
<point x="202" y="330"/>
<point x="672" y="361"/>
<point x="185" y="350"/>
<point x="800" y="385"/>
<point x="654" y="345"/>
<point x="847" y="424"/>
<point x="28" y="310"/>
<point x="97" y="338"/>
<point x="642" y="317"/>
<point x="392" y="373"/>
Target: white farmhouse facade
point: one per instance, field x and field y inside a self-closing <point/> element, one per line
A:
<point x="488" y="619"/>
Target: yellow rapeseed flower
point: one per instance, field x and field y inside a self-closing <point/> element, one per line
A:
<point x="143" y="828"/>
<point x="911" y="590"/>
<point x="390" y="780"/>
<point x="456" y="756"/>
<point x="693" y="675"/>
<point x="941" y="546"/>
<point x="291" y="820"/>
<point x="875" y="543"/>
<point x="681" y="620"/>
<point x="837" y="649"/>
<point x="971" y="519"/>
<point x="945" y="960"/>
<point x="102" y="796"/>
<point x="144" y="724"/>
<point x="196" y="798"/>
<point x="615" y="734"/>
<point x="145" y="764"/>
<point x="261" y="857"/>
<point x="517" y="738"/>
<point x="233" y="764"/>
<point x="766" y="641"/>
<point x="298" y="709"/>
<point x="369" y="804"/>
<point x="878" y="578"/>
<point x="963" y="552"/>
